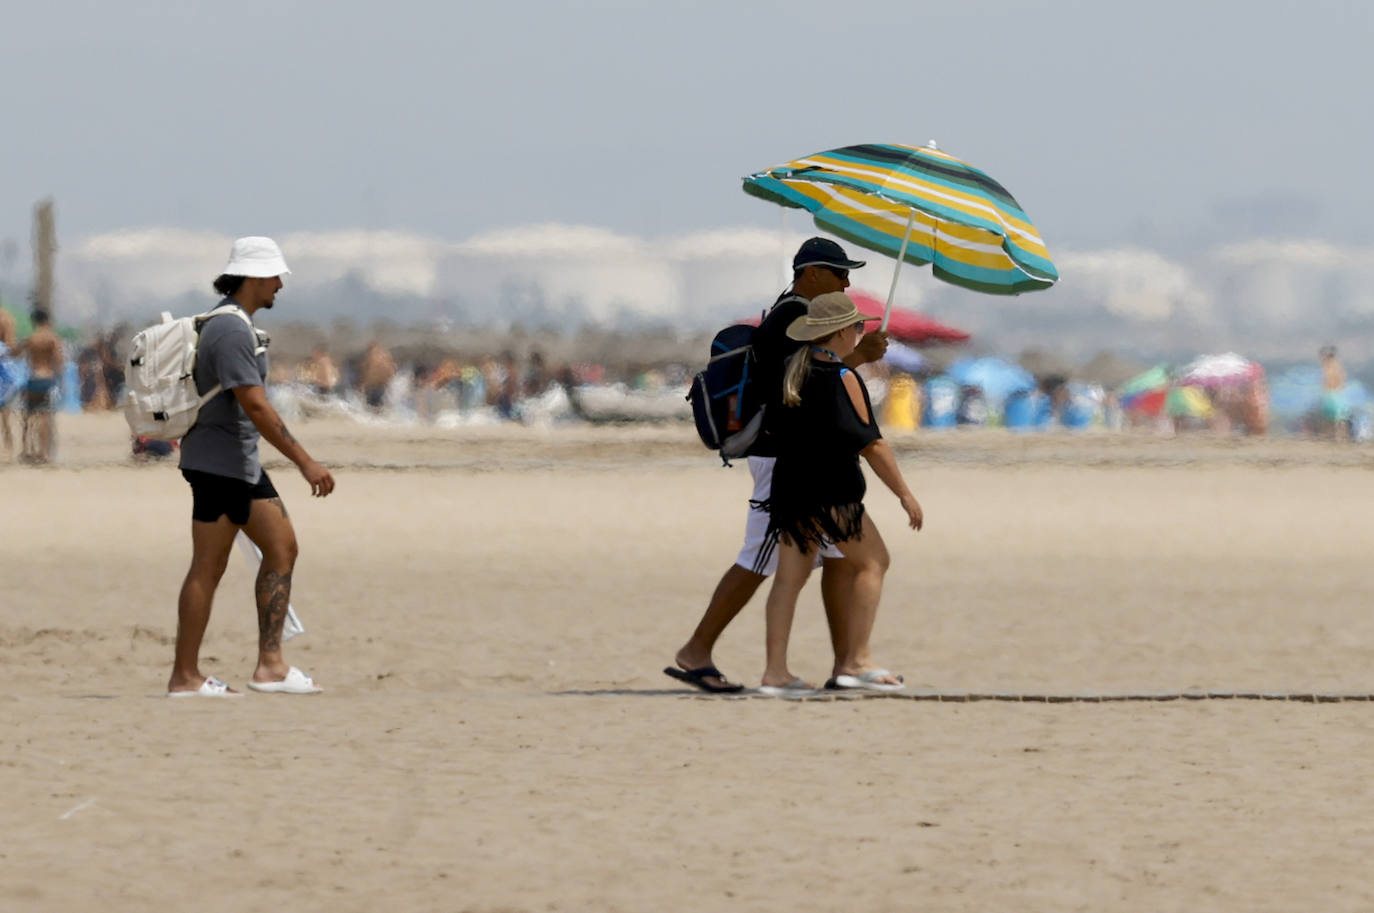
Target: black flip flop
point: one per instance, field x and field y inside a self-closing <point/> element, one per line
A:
<point x="698" y="678"/>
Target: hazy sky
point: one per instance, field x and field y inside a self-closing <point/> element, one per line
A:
<point x="1154" y="122"/>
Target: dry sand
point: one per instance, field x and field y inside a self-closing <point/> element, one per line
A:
<point x="490" y="610"/>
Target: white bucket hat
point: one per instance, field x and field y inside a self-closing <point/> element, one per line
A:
<point x="255" y="257"/>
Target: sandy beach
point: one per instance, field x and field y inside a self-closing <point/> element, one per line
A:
<point x="490" y="609"/>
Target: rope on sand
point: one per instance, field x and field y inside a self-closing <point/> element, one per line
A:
<point x="959" y="697"/>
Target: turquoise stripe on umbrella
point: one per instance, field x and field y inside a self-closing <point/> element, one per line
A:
<point x="1009" y="281"/>
<point x="978" y="204"/>
<point x="927" y="204"/>
<point x="976" y="181"/>
<point x="918" y="252"/>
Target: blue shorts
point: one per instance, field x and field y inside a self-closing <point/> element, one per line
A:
<point x="1334" y="406"/>
<point x="38" y="394"/>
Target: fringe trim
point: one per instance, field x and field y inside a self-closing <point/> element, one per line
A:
<point x="837" y="523"/>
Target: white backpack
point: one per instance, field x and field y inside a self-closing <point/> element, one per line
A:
<point x="160" y="398"/>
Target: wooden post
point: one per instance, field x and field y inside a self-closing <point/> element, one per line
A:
<point x="44" y="255"/>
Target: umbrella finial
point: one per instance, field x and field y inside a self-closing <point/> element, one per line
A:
<point x="930" y="144"/>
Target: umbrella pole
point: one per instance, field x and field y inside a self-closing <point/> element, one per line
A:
<point x="782" y="245"/>
<point x="897" y="270"/>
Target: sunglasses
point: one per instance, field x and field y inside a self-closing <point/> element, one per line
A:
<point x="841" y="274"/>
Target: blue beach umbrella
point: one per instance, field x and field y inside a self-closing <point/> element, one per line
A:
<point x="997" y="379"/>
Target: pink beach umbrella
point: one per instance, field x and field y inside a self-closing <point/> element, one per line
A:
<point x="906" y="326"/>
<point x="1225" y="370"/>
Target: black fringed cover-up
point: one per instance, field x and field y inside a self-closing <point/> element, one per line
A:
<point x="818" y="486"/>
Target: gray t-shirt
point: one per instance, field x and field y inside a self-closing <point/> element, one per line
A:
<point x="224" y="440"/>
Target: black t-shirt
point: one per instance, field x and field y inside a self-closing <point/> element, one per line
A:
<point x="771" y="349"/>
<point x="818" y="487"/>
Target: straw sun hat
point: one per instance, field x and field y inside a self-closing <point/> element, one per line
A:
<point x="826" y="314"/>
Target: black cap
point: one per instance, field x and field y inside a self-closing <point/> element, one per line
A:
<point x="823" y="252"/>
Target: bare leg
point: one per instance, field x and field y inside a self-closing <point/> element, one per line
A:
<point x="6" y="432"/>
<point x="794" y="567"/>
<point x="45" y="436"/>
<point x="837" y="585"/>
<point x="210" y="546"/>
<point x="270" y="529"/>
<point x="869" y="557"/>
<point x="27" y="451"/>
<point x="732" y="594"/>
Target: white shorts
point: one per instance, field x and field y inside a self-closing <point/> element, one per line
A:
<point x="756" y="526"/>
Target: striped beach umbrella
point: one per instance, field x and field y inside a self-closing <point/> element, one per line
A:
<point x="920" y="205"/>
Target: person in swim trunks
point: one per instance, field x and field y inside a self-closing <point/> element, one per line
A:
<point x="1335" y="408"/>
<point x="43" y="351"/>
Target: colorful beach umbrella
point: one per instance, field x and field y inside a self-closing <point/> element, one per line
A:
<point x="998" y="379"/>
<point x="1146" y="392"/>
<point x="919" y="205"/>
<point x="1189" y="402"/>
<point x="1224" y="370"/>
<point x="904" y="358"/>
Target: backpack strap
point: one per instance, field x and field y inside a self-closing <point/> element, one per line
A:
<point x="715" y="358"/>
<point x="223" y="308"/>
<point x="785" y="297"/>
<point x="233" y="308"/>
<point x="210" y="394"/>
<point x="227" y="308"/>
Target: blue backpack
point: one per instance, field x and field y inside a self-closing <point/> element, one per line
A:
<point x="726" y="400"/>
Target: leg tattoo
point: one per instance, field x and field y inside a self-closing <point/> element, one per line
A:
<point x="274" y="595"/>
<point x="277" y="503"/>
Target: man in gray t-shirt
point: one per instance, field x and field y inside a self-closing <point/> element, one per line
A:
<point x="224" y="440"/>
<point x="230" y="491"/>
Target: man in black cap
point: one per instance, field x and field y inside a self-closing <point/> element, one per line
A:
<point x="819" y="266"/>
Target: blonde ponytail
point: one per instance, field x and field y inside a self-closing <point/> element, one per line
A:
<point x="797" y="369"/>
<point x="794" y="375"/>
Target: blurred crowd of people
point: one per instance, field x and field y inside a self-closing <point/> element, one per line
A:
<point x="374" y="375"/>
<point x="1223" y="394"/>
<point x="511" y="386"/>
<point x="383" y="381"/>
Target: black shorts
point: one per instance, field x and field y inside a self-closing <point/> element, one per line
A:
<point x="218" y="496"/>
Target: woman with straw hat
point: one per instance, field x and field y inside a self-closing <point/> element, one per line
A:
<point x="826" y="424"/>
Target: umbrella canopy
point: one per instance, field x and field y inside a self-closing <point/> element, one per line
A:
<point x="908" y="326"/>
<point x="997" y="379"/>
<point x="1297" y="393"/>
<point x="1146" y="392"/>
<point x="1189" y="402"/>
<point x="904" y="358"/>
<point x="920" y="205"/>
<point x="1227" y="369"/>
